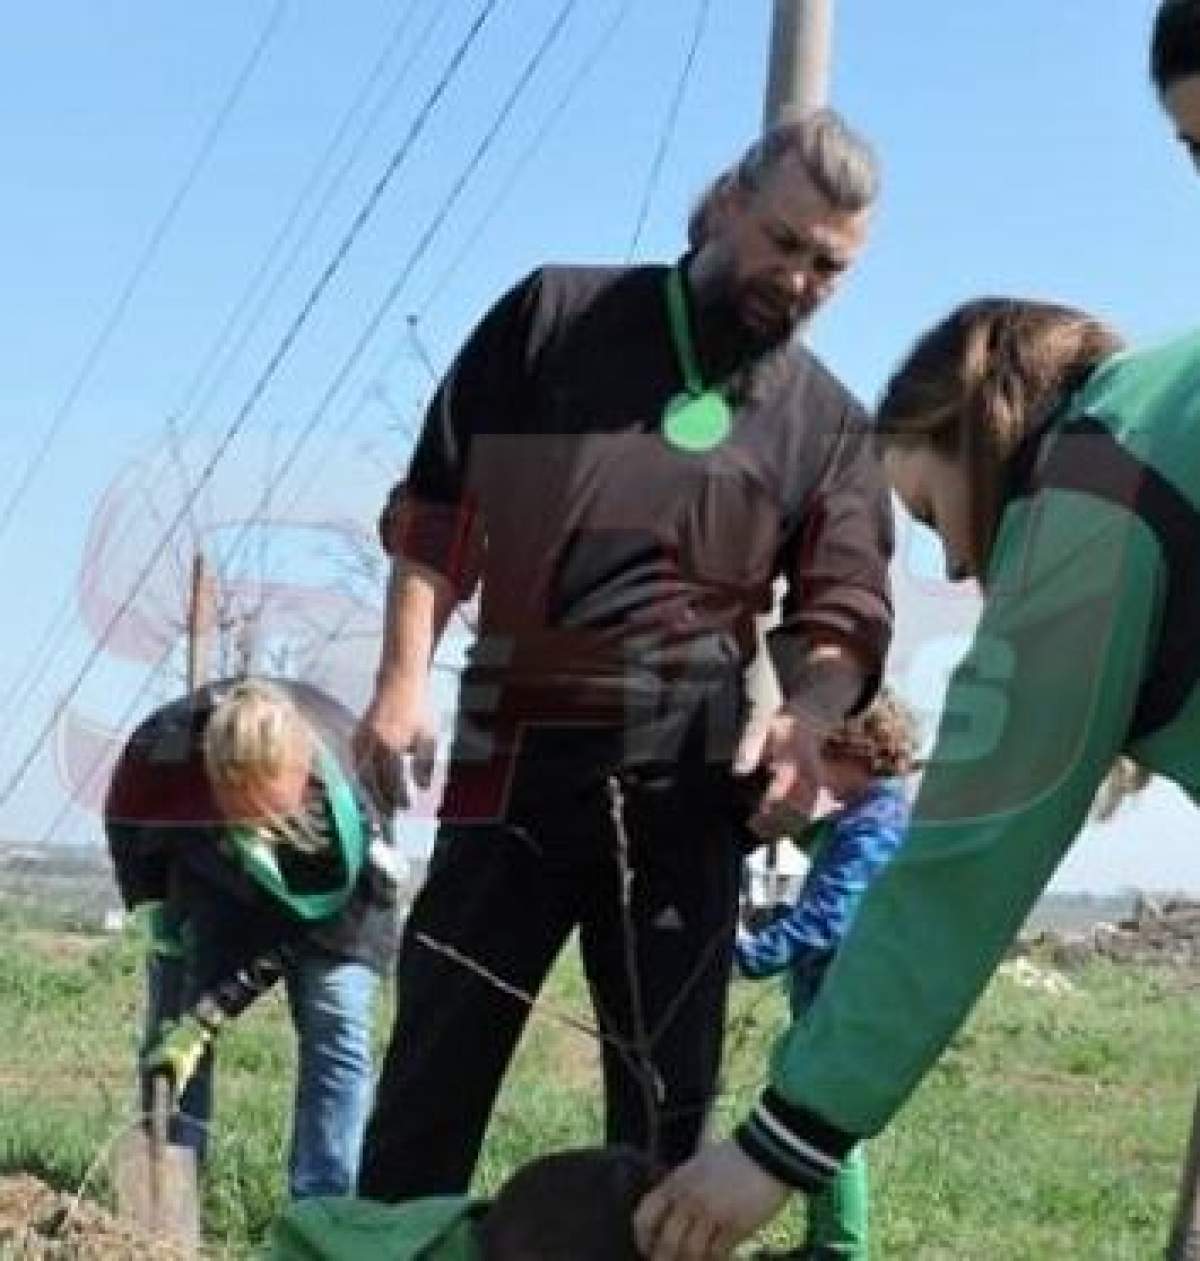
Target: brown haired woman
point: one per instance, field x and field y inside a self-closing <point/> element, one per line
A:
<point x="1063" y="474"/>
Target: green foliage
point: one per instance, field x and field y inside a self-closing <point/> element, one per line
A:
<point x="1054" y="1127"/>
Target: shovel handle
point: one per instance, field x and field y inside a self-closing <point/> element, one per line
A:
<point x="162" y="1104"/>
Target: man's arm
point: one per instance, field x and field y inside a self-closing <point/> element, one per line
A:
<point x="397" y="721"/>
<point x="432" y="528"/>
<point x="836" y="619"/>
<point x="178" y="1045"/>
<point x="835" y="624"/>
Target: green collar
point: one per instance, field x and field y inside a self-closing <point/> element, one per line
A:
<point x="699" y="419"/>
<point x="342" y="809"/>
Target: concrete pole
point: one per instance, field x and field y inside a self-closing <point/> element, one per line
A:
<point x="798" y="73"/>
<point x="797" y="84"/>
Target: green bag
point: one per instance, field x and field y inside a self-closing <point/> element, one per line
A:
<point x="339" y="1228"/>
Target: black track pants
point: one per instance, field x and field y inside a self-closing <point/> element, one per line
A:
<point x="508" y="897"/>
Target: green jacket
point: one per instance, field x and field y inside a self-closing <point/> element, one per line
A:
<point x="1088" y="647"/>
<point x="330" y="1228"/>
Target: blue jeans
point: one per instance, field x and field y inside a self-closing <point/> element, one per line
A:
<point x="330" y="1002"/>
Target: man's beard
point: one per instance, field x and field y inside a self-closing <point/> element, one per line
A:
<point x="750" y="358"/>
<point x="768" y="351"/>
<point x="781" y="323"/>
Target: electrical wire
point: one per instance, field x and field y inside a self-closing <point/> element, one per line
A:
<point x="31" y="675"/>
<point x="331" y="189"/>
<point x="557" y="113"/>
<point x="66" y="407"/>
<point x="263" y="381"/>
<point x="418" y="252"/>
<point x="50" y="835"/>
<point x="575" y="80"/>
<point x="29" y="679"/>
<point x="657" y="165"/>
<point x="669" y="125"/>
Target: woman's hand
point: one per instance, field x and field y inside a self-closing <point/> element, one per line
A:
<point x="707" y="1207"/>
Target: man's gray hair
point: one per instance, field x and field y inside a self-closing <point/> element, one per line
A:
<point x="838" y="161"/>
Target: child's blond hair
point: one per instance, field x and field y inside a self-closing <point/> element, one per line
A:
<point x="885" y="737"/>
<point x="254" y="734"/>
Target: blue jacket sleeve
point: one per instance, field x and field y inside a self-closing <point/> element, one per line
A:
<point x="861" y="841"/>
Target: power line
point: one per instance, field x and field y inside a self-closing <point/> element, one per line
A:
<point x="669" y="125"/>
<point x="662" y="150"/>
<point x="260" y="386"/>
<point x="371" y="391"/>
<point x="29" y="678"/>
<point x="330" y="191"/>
<point x="419" y="350"/>
<point x="175" y="451"/>
<point x="134" y="706"/>
<point x="419" y="347"/>
<point x="434" y="226"/>
<point x="38" y="460"/>
<point x="32" y="675"/>
<point x="368" y="128"/>
<point x="657" y="165"/>
<point x="34" y="678"/>
<point x="575" y="81"/>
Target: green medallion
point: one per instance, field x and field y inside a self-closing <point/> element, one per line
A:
<point x="697" y="422"/>
<point x="699" y="418"/>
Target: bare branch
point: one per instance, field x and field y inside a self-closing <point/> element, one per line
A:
<point x="649" y="1082"/>
<point x="536" y="1006"/>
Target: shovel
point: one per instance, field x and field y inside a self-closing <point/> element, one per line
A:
<point x="156" y="1179"/>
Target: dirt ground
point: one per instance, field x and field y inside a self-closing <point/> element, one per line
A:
<point x="36" y="1224"/>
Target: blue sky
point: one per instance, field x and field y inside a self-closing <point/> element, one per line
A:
<point x="145" y="197"/>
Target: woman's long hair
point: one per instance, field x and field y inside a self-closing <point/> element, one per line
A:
<point x="972" y="389"/>
<point x="977" y="383"/>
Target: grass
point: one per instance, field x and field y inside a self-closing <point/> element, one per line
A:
<point x="1053" y="1128"/>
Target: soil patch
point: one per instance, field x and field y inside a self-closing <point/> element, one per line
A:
<point x="37" y="1224"/>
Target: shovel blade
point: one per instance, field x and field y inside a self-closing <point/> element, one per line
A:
<point x="156" y="1188"/>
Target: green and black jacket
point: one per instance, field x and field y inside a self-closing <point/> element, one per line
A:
<point x="169" y="843"/>
<point x="1088" y="647"/>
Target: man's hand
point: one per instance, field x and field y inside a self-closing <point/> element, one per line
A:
<point x="177" y="1050"/>
<point x="396" y="726"/>
<point x="707" y="1207"/>
<point x="788" y="748"/>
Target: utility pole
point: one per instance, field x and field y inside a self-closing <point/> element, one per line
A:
<point x="797" y="84"/>
<point x="202" y="607"/>
<point x="798" y="74"/>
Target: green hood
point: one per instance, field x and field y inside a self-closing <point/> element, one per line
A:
<point x="348" y="833"/>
